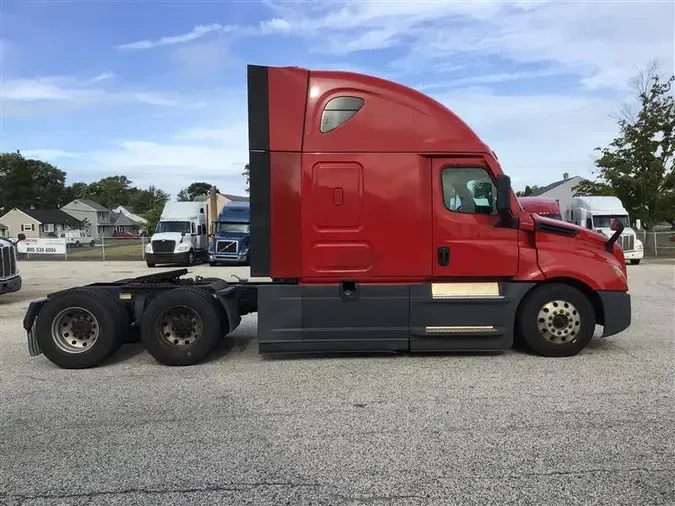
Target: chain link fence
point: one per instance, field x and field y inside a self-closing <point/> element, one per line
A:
<point x="101" y="249"/>
<point x="658" y="244"/>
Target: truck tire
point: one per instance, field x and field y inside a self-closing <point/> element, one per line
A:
<point x="81" y="328"/>
<point x="190" y="259"/>
<point x="150" y="264"/>
<point x="555" y="320"/>
<point x="182" y="325"/>
<point x="635" y="261"/>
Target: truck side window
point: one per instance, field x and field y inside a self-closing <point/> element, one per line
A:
<point x="469" y="190"/>
<point x="338" y="110"/>
<point x="589" y="223"/>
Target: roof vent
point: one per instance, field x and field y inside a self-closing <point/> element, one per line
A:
<point x="566" y="176"/>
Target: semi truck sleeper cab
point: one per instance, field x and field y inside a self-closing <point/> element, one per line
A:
<point x="382" y="222"/>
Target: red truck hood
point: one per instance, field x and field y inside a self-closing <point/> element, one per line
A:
<point x="589" y="238"/>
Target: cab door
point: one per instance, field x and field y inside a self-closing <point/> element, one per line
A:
<point x="468" y="240"/>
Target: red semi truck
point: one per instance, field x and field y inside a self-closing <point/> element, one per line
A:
<point x="542" y="206"/>
<point x="383" y="223"/>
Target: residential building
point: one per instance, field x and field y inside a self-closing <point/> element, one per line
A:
<point x="3" y="231"/>
<point x="128" y="211"/>
<point x="562" y="191"/>
<point x="39" y="222"/>
<point x="122" y="223"/>
<point x="96" y="218"/>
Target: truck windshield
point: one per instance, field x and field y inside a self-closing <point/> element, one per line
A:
<point x="605" y="221"/>
<point x="224" y="227"/>
<point x="173" y="226"/>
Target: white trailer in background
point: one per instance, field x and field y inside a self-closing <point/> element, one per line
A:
<point x="597" y="212"/>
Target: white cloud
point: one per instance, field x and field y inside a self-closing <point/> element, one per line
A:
<point x="197" y="32"/>
<point x="48" y="154"/>
<point x="18" y="95"/>
<point x="537" y="137"/>
<point x="104" y="76"/>
<point x="601" y="42"/>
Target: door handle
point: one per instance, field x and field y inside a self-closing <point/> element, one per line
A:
<point x="443" y="255"/>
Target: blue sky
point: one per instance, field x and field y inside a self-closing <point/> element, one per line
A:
<point x="156" y="90"/>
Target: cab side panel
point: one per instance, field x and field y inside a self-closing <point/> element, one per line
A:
<point x="361" y="222"/>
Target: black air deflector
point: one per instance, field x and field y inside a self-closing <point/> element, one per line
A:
<point x="259" y="169"/>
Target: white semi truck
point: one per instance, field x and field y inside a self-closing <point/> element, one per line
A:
<point x="181" y="235"/>
<point x="10" y="279"/>
<point x="597" y="212"/>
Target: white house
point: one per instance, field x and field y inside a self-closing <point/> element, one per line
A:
<point x="128" y="211"/>
<point x="562" y="191"/>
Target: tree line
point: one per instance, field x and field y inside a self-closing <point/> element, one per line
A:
<point x="27" y="182"/>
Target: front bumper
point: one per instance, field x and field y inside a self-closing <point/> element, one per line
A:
<point x="10" y="285"/>
<point x="616" y="308"/>
<point x="167" y="258"/>
<point x="637" y="254"/>
<point x="227" y="258"/>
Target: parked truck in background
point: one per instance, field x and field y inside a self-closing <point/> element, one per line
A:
<point x="231" y="241"/>
<point x="542" y="206"/>
<point x="181" y="235"/>
<point x="10" y="277"/>
<point x="597" y="212"/>
<point x="404" y="238"/>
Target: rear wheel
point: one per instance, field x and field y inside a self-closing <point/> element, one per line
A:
<point x="556" y="320"/>
<point x="182" y="325"/>
<point x="81" y="328"/>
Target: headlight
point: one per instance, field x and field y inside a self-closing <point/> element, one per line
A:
<point x="638" y="244"/>
<point x="245" y="250"/>
<point x="183" y="247"/>
<point x="148" y="248"/>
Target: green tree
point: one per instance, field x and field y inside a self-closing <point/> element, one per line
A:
<point x="194" y="190"/>
<point x="529" y="190"/>
<point x="247" y="175"/>
<point x="153" y="216"/>
<point x="26" y="181"/>
<point x="637" y="166"/>
<point x="146" y="200"/>
<point x="110" y="191"/>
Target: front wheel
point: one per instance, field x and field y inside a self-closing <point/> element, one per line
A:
<point x="635" y="261"/>
<point x="556" y="320"/>
<point x="190" y="259"/>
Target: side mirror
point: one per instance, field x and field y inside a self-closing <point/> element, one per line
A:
<point x="617" y="227"/>
<point x="19" y="238"/>
<point x="615" y="224"/>
<point x="503" y="193"/>
<point x="504" y="199"/>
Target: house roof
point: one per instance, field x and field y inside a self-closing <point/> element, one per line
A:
<point x="94" y="205"/>
<point x="129" y="209"/>
<point x="121" y="219"/>
<point x="547" y="188"/>
<point x="235" y="198"/>
<point x="55" y="216"/>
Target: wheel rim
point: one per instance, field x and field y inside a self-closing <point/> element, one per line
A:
<point x="75" y="330"/>
<point x="559" y="321"/>
<point x="179" y="326"/>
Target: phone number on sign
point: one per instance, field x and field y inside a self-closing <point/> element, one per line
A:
<point x="37" y="249"/>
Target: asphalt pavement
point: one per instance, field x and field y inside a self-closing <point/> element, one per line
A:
<point x="595" y="429"/>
